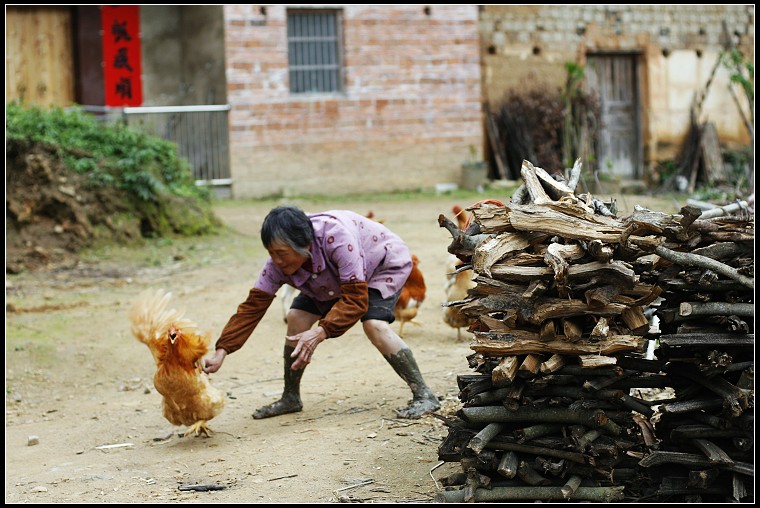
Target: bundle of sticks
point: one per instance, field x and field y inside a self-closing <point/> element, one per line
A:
<point x="567" y="299"/>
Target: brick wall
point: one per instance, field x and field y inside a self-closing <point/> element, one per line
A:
<point x="409" y="114"/>
<point x="677" y="46"/>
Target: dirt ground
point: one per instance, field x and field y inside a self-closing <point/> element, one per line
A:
<point x="83" y="422"/>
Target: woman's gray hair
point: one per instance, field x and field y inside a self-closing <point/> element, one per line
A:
<point x="288" y="225"/>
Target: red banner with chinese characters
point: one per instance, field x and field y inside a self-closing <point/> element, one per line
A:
<point x="122" y="69"/>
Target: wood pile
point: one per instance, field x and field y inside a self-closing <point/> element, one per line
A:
<point x="566" y="301"/>
<point x="706" y="339"/>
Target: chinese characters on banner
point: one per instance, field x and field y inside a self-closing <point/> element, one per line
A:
<point x="122" y="69"/>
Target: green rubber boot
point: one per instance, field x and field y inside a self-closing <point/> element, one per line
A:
<point x="291" y="395"/>
<point x="423" y="399"/>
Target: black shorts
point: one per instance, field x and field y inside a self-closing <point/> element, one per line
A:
<point x="379" y="307"/>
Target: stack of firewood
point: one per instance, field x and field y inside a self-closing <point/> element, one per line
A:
<point x="706" y="339"/>
<point x="560" y="317"/>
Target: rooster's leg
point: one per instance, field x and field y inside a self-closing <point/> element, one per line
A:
<point x="199" y="428"/>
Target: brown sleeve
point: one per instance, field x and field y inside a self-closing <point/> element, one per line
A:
<point x="353" y="304"/>
<point x="244" y="321"/>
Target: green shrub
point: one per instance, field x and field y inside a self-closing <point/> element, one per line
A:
<point x="143" y="165"/>
<point x="146" y="170"/>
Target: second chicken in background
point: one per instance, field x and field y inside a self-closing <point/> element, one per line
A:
<point x="412" y="296"/>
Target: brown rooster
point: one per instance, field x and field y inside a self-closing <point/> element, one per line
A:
<point x="457" y="284"/>
<point x="412" y="295"/>
<point x="177" y="348"/>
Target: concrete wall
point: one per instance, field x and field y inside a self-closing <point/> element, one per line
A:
<point x="183" y="55"/>
<point x="409" y="114"/>
<point x="677" y="46"/>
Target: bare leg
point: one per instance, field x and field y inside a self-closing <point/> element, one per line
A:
<point x="290" y="402"/>
<point x="400" y="357"/>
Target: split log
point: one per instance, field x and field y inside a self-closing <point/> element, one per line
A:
<point x="536" y="431"/>
<point x="536" y="191"/>
<point x="551" y="219"/>
<point x="716" y="308"/>
<point x="579" y="458"/>
<point x="489" y="398"/>
<point x="530" y="475"/>
<point x="488" y="414"/>
<point x="613" y="344"/>
<point x="513" y="396"/>
<point x="601" y="295"/>
<point x="554" y="189"/>
<point x="495" y="248"/>
<point x="508" y="465"/>
<point x="572" y="331"/>
<point x="712" y="451"/>
<point x="553" y="364"/>
<point x="635" y="319"/>
<point x="548" y="331"/>
<point x="558" y="258"/>
<point x="582" y="442"/>
<point x="657" y="458"/>
<point x="571" y="486"/>
<point x="719" y="211"/>
<point x="575" y="175"/>
<point x="688" y="259"/>
<point x="600" y="250"/>
<point x="479" y="441"/>
<point x="704" y="340"/>
<point x="735" y="399"/>
<point x="461" y="244"/>
<point x="530" y="365"/>
<point x="504" y="373"/>
<point x="493" y="324"/>
<point x="576" y="274"/>
<point x="688" y="406"/>
<point x="537" y="311"/>
<point x="595" y="361"/>
<point x="593" y="494"/>
<point x="724" y="250"/>
<point x="647" y="431"/>
<point x="601" y="330"/>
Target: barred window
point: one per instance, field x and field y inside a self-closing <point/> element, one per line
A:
<point x="314" y="51"/>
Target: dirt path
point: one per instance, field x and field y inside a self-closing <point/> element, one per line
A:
<point x="76" y="380"/>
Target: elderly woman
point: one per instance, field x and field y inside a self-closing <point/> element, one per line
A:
<point x="348" y="268"/>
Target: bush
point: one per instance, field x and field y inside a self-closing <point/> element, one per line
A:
<point x="73" y="183"/>
<point x="141" y="164"/>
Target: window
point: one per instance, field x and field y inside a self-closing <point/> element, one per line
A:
<point x="314" y="51"/>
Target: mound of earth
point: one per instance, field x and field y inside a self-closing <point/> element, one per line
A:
<point x="52" y="212"/>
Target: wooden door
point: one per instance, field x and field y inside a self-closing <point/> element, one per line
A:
<point x="614" y="78"/>
<point x="39" y="62"/>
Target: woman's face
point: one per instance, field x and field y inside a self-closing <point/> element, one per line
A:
<point x="286" y="259"/>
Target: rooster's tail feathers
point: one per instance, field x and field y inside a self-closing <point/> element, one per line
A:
<point x="151" y="318"/>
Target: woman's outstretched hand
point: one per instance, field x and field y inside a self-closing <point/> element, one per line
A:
<point x="307" y="342"/>
<point x="214" y="363"/>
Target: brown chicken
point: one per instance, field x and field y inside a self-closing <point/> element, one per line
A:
<point x="457" y="284"/>
<point x="178" y="349"/>
<point x="412" y="296"/>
